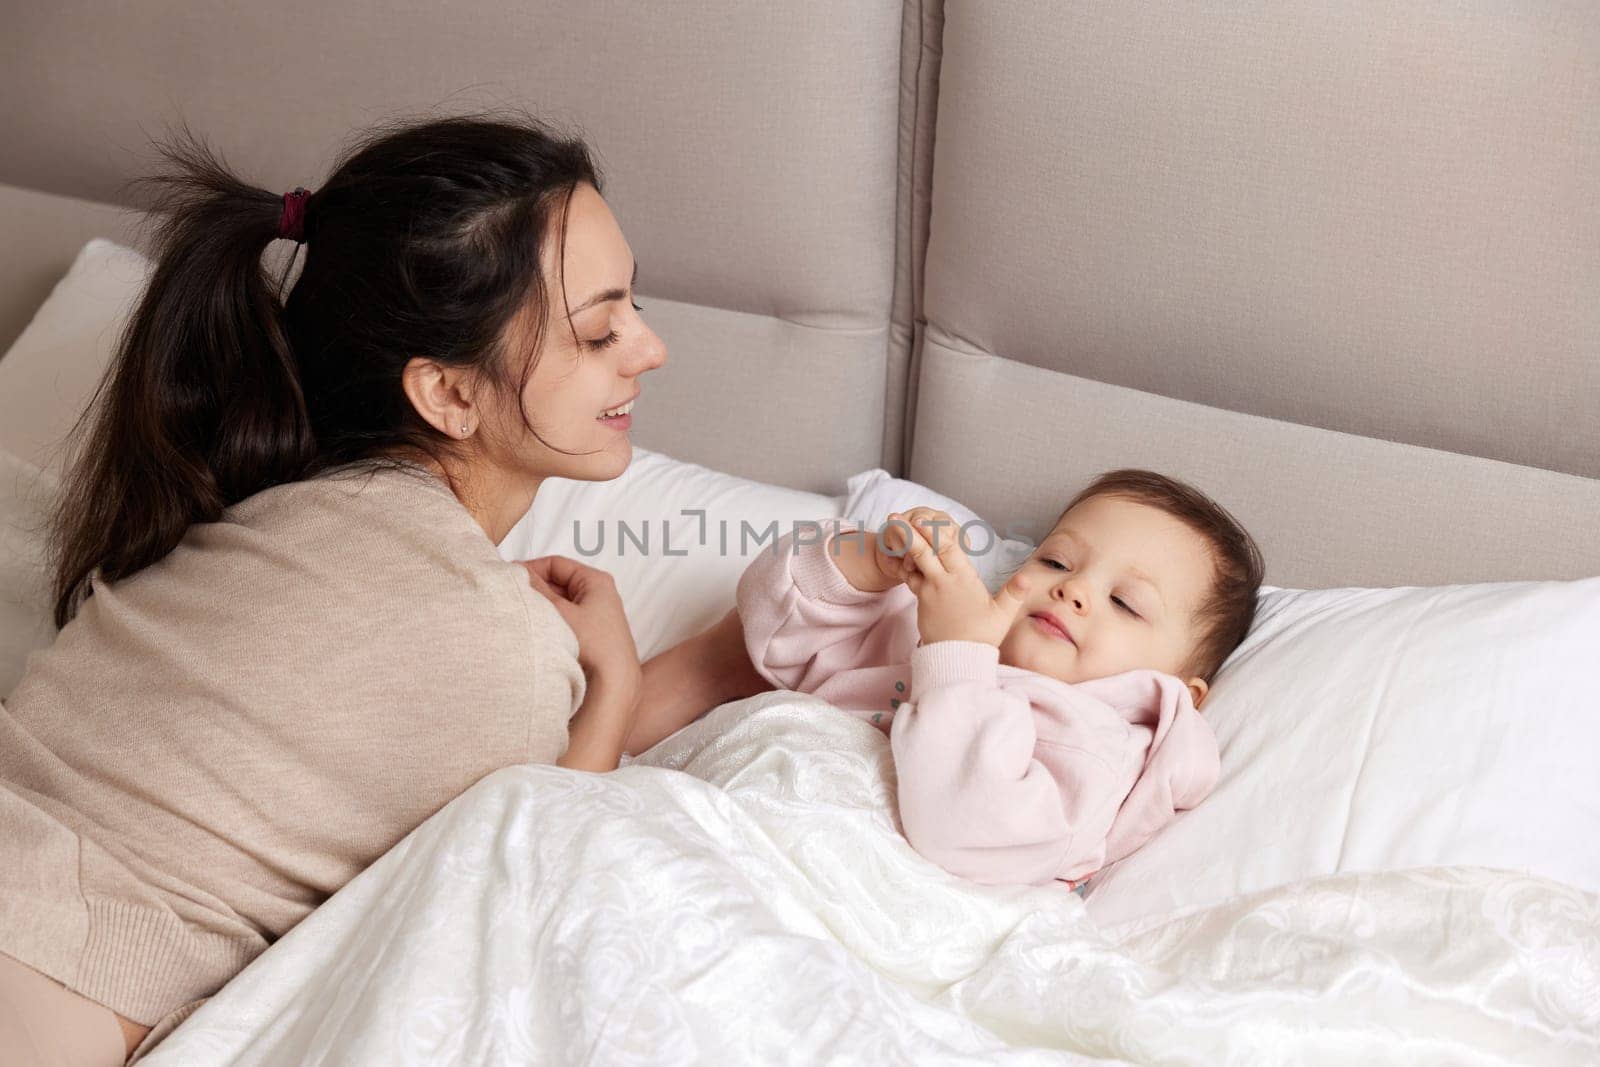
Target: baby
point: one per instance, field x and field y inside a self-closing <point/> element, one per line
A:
<point x="1050" y="729"/>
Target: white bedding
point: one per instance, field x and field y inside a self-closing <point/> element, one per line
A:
<point x="762" y="908"/>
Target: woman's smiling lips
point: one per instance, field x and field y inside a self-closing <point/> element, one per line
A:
<point x="1046" y="623"/>
<point x="620" y="417"/>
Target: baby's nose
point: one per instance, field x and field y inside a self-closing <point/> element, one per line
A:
<point x="1066" y="592"/>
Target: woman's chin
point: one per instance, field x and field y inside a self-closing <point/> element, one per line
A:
<point x="609" y="462"/>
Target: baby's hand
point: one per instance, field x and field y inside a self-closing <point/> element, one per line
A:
<point x="872" y="561"/>
<point x="953" y="604"/>
<point x="936" y="527"/>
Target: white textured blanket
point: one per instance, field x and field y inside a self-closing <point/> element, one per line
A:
<point x="762" y="908"/>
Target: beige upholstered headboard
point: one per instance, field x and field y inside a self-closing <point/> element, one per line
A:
<point x="1339" y="265"/>
<point x="750" y="152"/>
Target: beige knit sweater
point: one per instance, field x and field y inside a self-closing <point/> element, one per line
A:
<point x="216" y="744"/>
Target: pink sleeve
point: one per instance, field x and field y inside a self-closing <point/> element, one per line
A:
<point x="974" y="796"/>
<point x="803" y="622"/>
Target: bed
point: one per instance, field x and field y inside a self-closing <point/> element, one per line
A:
<point x="1339" y="268"/>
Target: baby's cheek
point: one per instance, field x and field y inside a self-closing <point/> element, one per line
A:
<point x="1168" y="656"/>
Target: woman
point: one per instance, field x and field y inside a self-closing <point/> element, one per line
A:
<point x="287" y="638"/>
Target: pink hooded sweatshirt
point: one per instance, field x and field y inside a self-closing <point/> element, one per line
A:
<point x="1005" y="775"/>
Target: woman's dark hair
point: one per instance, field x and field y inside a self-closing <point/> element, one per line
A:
<point x="425" y="241"/>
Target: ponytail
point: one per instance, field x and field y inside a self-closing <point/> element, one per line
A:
<point x="202" y="404"/>
<point x="425" y="241"/>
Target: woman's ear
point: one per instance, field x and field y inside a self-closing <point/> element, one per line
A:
<point x="441" y="396"/>
<point x="1198" y="690"/>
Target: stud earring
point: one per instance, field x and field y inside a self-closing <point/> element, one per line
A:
<point x="464" y="430"/>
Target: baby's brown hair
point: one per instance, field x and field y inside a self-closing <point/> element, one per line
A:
<point x="1224" y="617"/>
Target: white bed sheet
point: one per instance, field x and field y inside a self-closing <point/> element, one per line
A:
<point x="762" y="908"/>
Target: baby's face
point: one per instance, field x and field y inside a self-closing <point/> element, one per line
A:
<point x="1123" y="580"/>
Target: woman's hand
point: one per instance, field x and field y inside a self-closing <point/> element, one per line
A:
<point x="587" y="599"/>
<point x="953" y="604"/>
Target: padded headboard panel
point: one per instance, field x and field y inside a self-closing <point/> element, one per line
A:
<point x="1338" y="265"/>
<point x="751" y="152"/>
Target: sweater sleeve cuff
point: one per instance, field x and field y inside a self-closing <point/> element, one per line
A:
<point x="945" y="662"/>
<point x="816" y="573"/>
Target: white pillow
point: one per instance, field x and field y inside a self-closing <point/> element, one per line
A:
<point x="51" y="371"/>
<point x="872" y="496"/>
<point x="46" y="379"/>
<point x="1378" y="729"/>
<point x="675" y="570"/>
<point x="25" y="616"/>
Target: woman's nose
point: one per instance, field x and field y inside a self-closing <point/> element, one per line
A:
<point x="650" y="353"/>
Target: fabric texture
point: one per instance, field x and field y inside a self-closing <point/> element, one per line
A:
<point x="44" y="234"/>
<point x="26" y="495"/>
<point x="742" y="895"/>
<point x="1005" y="775"/>
<point x="1372" y="218"/>
<point x="921" y="31"/>
<point x="49" y="375"/>
<point x="755" y="177"/>
<point x="217" y="743"/>
<point x="736" y="377"/>
<point x="1328" y="509"/>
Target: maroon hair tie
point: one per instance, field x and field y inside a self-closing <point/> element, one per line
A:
<point x="292" y="223"/>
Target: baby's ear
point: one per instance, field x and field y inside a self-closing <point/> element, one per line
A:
<point x="1198" y="690"/>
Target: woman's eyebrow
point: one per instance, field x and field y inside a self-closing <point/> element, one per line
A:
<point x="608" y="294"/>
